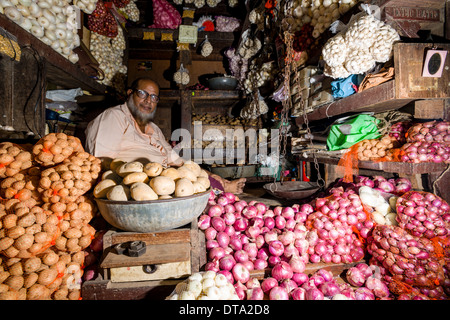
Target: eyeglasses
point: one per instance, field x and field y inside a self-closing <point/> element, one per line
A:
<point x="144" y="95"/>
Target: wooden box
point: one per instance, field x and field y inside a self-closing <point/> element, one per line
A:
<point x="170" y="257"/>
<point x="409" y="83"/>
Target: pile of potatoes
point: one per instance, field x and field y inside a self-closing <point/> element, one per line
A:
<point x="45" y="211"/>
<point x="372" y="149"/>
<point x="135" y="181"/>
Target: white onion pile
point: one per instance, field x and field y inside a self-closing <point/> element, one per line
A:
<point x="87" y="6"/>
<point x="54" y="23"/>
<point x="423" y="214"/>
<point x="383" y="212"/>
<point x="204" y="286"/>
<point x="109" y="54"/>
<point x="406" y="258"/>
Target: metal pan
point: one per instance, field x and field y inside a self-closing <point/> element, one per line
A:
<point x="291" y="189"/>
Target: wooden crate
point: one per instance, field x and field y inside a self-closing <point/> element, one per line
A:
<point x="409" y="83"/>
<point x="176" y="254"/>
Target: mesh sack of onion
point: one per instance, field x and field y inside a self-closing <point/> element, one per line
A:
<point x="427" y="142"/>
<point x="102" y="21"/>
<point x="413" y="261"/>
<point x="423" y="214"/>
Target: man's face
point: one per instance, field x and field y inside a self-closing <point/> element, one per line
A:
<point x="142" y="105"/>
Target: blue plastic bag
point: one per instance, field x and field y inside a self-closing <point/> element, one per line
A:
<point x="342" y="88"/>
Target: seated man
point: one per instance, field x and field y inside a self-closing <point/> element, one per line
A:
<point x="127" y="132"/>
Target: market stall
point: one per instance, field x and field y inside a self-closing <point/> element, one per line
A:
<point x="335" y="112"/>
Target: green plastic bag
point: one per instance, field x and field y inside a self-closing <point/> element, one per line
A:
<point x="346" y="132"/>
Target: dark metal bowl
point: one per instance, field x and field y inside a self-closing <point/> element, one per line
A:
<point x="291" y="189"/>
<point x="222" y="83"/>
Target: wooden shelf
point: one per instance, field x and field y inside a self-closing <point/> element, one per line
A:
<point x="59" y="70"/>
<point x="139" y="48"/>
<point x="397" y="167"/>
<point x="407" y="86"/>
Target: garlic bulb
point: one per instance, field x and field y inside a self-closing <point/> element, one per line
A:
<point x="207" y="48"/>
<point x="359" y="61"/>
<point x="232" y="3"/>
<point x="248" y="47"/>
<point x="360" y="34"/>
<point x="213" y="3"/>
<point x="181" y="76"/>
<point x="335" y="50"/>
<point x="199" y="3"/>
<point x="178" y="2"/>
<point x="381" y="49"/>
<point x="204" y="286"/>
<point x="254" y="109"/>
<point x="132" y="11"/>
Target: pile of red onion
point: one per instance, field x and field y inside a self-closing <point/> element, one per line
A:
<point x="242" y="236"/>
<point x="408" y="259"/>
<point x="427" y="142"/>
<point x="397" y="186"/>
<point x="438" y="131"/>
<point x="368" y="282"/>
<point x="335" y="220"/>
<point x="423" y="214"/>
<point x="398" y="131"/>
<point x="102" y="21"/>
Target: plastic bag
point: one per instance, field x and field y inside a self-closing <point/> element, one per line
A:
<point x="343" y="135"/>
<point x="63" y="95"/>
<point x="342" y="88"/>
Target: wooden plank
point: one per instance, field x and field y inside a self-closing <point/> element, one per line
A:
<point x="429" y="109"/>
<point x="142" y="290"/>
<point x="155" y="254"/>
<point x="408" y="64"/>
<point x="402" y="167"/>
<point x="376" y="99"/>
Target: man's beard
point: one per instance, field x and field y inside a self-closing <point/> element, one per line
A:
<point x="140" y="117"/>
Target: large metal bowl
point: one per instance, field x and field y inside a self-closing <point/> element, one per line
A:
<point x="291" y="189"/>
<point x="154" y="215"/>
<point x="222" y="83"/>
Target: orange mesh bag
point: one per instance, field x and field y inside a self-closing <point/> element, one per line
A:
<point x="54" y="148"/>
<point x="27" y="229"/>
<point x="348" y="164"/>
<point x="13" y="159"/>
<point x="423" y="214"/>
<point x="409" y="259"/>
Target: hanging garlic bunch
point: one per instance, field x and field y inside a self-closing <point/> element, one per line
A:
<point x="179" y="2"/>
<point x="256" y="77"/>
<point x="181" y="76"/>
<point x="213" y="3"/>
<point x="53" y="23"/>
<point x="256" y="16"/>
<point x="87" y="6"/>
<point x="188" y="1"/>
<point x="319" y="13"/>
<point x="233" y="3"/>
<point x="238" y="65"/>
<point x="109" y="54"/>
<point x="255" y="108"/>
<point x="199" y="3"/>
<point x="248" y="47"/>
<point x="132" y="11"/>
<point x="207" y="47"/>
